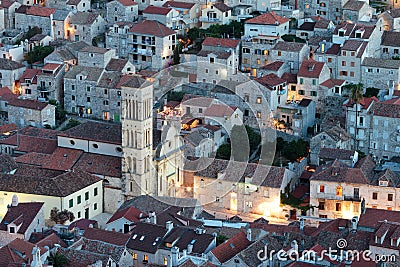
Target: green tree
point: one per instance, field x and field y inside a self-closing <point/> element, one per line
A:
<point x="224" y="152"/>
<point x="39" y="53"/>
<point x="371" y="91"/>
<point x="177" y="54"/>
<point x="193" y="34"/>
<point x="61" y="217"/>
<point x="356" y="94"/>
<point x="58" y="260"/>
<point x="221" y="239"/>
<point x="70" y="124"/>
<point x="295" y="149"/>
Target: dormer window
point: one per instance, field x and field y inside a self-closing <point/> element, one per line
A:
<point x="11" y="229"/>
<point x="341" y="32"/>
<point x="383" y="183"/>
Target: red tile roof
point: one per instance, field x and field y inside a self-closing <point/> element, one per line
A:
<point x="28" y="103"/>
<point x="365" y="102"/>
<point x="372" y="217"/>
<point x="109" y="237"/>
<point x="6" y="94"/>
<point x="6" y="128"/>
<point x="128" y="2"/>
<point x="100" y="164"/>
<point x="82" y="224"/>
<point x="332" y="83"/>
<point x="310" y="69"/>
<point x="289" y="77"/>
<point x="50" y="241"/>
<point x="156" y="10"/>
<point x="151" y="27"/>
<point x="231" y="247"/>
<point x="6" y="3"/>
<point x="23" y="214"/>
<point x="29" y="74"/>
<point x="270" y="18"/>
<point x="270" y="80"/>
<point x="178" y="4"/>
<point x="223" y="42"/>
<point x="219" y="110"/>
<point x="40" y="11"/>
<point x="389" y="108"/>
<point x="273" y="66"/>
<point x="131" y="214"/>
<point x="11" y="254"/>
<point x="62" y="159"/>
<point x="221" y="7"/>
<point x="51" y="66"/>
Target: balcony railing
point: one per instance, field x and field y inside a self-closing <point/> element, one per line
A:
<point x="207" y="19"/>
<point x="44" y="89"/>
<point x="352" y="198"/>
<point x="329" y="196"/>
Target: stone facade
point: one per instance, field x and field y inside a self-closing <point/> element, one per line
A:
<point x="372" y="71"/>
<point x="86" y="26"/>
<point x="30" y="113"/>
<point x="119" y="12"/>
<point x="117" y="38"/>
<point x="291" y="53"/>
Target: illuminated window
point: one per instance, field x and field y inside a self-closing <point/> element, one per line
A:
<point x="165" y="261"/>
<point x="339" y="191"/>
<point x="259" y="100"/>
<point x="322" y="189"/>
<point x="134" y="256"/>
<point x="145" y="257"/>
<point x="258" y="114"/>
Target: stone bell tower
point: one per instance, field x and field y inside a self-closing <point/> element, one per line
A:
<point x="138" y="174"/>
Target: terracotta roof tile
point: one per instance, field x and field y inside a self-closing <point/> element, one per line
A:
<point x="82" y="224"/>
<point x="270" y="80"/>
<point x="231" y="247"/>
<point x="336" y="153"/>
<point x="270" y="18"/>
<point x="221" y="42"/>
<point x="131" y="214"/>
<point x="273" y="66"/>
<point x="50" y="241"/>
<point x="221" y="7"/>
<point x="62" y="159"/>
<point x="7" y="163"/>
<point x="29" y="74"/>
<point x="372" y="217"/>
<point x="151" y="27"/>
<point x="390" y="38"/>
<point x="60" y="185"/>
<point x="40" y="11"/>
<point x="28" y="103"/>
<point x="289" y="46"/>
<point x="389" y="108"/>
<point x="8" y="128"/>
<point x="100" y="164"/>
<point x="116" y="64"/>
<point x="128" y="2"/>
<point x="178" y="4"/>
<point x="156" y="10"/>
<point x="310" y="69"/>
<point x="289" y="77"/>
<point x="219" y="110"/>
<point x="365" y="102"/>
<point x="25" y="213"/>
<point x="96" y="131"/>
<point x="7" y="3"/>
<point x="146" y="237"/>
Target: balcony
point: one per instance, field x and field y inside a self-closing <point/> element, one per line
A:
<point x="144" y="52"/>
<point x="208" y="19"/>
<point x="329" y="196"/>
<point x="352" y="198"/>
<point x="44" y="89"/>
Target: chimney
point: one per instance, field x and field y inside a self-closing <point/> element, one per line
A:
<point x="169" y="225"/>
<point x="174" y="256"/>
<point x="189" y="248"/>
<point x="302" y="224"/>
<point x="248" y="234"/>
<point x="14" y="201"/>
<point x="294" y="245"/>
<point x="153" y="217"/>
<point x="354" y="223"/>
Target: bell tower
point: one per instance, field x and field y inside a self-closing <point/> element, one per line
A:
<point x="138" y="174"/>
